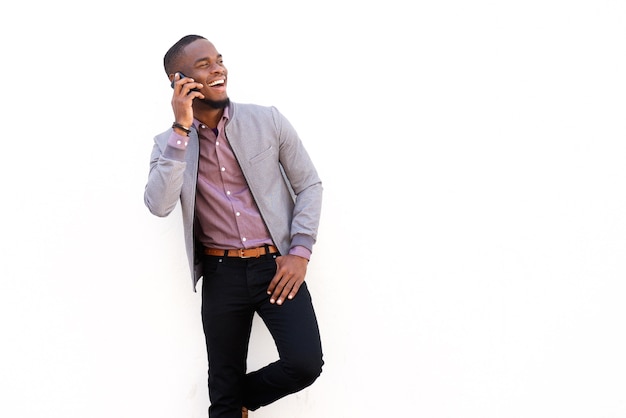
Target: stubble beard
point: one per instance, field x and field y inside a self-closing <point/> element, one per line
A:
<point x="216" y="104"/>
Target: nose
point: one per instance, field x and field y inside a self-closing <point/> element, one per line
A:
<point x="217" y="68"/>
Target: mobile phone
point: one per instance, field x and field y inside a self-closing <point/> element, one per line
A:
<point x="181" y="77"/>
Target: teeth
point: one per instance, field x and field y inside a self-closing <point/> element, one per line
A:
<point x="216" y="82"/>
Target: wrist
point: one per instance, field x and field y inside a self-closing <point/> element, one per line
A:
<point x="300" y="251"/>
<point x="181" y="129"/>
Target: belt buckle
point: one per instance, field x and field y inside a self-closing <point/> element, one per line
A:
<point x="256" y="251"/>
<point x="242" y="253"/>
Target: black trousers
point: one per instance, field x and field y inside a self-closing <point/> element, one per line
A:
<point x="233" y="290"/>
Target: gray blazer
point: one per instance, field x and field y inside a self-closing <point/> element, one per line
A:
<point x="279" y="171"/>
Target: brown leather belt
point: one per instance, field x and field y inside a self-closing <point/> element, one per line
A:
<point x="243" y="252"/>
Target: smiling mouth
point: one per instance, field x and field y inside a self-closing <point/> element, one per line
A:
<point x="215" y="83"/>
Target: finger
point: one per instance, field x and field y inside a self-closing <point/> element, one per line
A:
<point x="277" y="292"/>
<point x="276" y="286"/>
<point x="291" y="290"/>
<point x="178" y="83"/>
<point x="184" y="84"/>
<point x="176" y="78"/>
<point x="294" y="290"/>
<point x="195" y="94"/>
<point x="285" y="292"/>
<point x="276" y="279"/>
<point x="191" y="87"/>
<point x="273" y="283"/>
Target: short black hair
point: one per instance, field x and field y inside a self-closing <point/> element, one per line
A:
<point x="172" y="55"/>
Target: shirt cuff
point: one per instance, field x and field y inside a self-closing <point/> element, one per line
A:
<point x="300" y="251"/>
<point x="176" y="146"/>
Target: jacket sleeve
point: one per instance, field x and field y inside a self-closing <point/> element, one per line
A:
<point x="304" y="182"/>
<point x="165" y="179"/>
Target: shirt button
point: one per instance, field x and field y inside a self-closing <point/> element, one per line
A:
<point x="178" y="142"/>
<point x="203" y="126"/>
<point x="223" y="169"/>
<point x="243" y="239"/>
<point x="227" y="192"/>
<point x="217" y="142"/>
<point x="238" y="214"/>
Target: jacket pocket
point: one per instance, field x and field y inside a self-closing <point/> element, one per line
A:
<point x="263" y="155"/>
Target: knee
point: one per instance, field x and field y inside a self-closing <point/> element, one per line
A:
<point x="306" y="370"/>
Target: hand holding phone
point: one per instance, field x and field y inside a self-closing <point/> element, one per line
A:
<point x="182" y="104"/>
<point x="180" y="78"/>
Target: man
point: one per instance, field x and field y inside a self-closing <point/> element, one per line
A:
<point x="251" y="201"/>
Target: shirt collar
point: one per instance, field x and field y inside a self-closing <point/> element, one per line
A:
<point x="225" y="118"/>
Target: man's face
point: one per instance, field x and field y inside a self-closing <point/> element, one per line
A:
<point x="204" y="64"/>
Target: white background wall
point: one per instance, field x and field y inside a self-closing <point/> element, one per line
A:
<point x="471" y="253"/>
